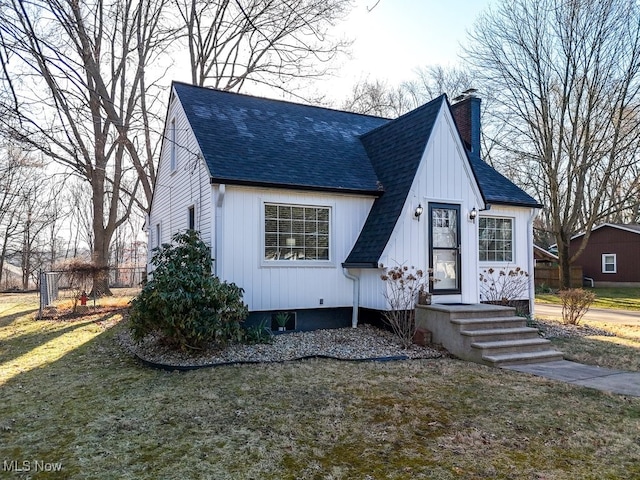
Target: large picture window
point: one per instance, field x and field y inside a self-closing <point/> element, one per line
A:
<point x="294" y="232"/>
<point x="496" y="239"/>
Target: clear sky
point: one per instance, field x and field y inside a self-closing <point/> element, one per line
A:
<point x="398" y="36"/>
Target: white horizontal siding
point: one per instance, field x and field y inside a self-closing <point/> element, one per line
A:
<point x="297" y="284"/>
<point x="175" y="191"/>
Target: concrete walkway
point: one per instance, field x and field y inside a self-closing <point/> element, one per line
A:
<point x="605" y="379"/>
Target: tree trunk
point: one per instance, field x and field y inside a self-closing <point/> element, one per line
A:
<point x="101" y="238"/>
<point x="565" y="266"/>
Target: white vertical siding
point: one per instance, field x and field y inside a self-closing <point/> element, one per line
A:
<point x="444" y="176"/>
<point x="176" y="190"/>
<point x="522" y="246"/>
<point x="294" y="285"/>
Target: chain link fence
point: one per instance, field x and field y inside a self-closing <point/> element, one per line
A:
<point x="59" y="286"/>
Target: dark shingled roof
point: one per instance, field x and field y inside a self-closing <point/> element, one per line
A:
<point x="498" y="189"/>
<point x="249" y="140"/>
<point x="257" y="141"/>
<point x="395" y="150"/>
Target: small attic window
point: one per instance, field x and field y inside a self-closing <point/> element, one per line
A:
<point x="172" y="144"/>
<point x="191" y="217"/>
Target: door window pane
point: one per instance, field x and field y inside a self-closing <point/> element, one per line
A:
<point x="445" y="269"/>
<point x="445" y="228"/>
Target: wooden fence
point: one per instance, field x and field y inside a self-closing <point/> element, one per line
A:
<point x="549" y="276"/>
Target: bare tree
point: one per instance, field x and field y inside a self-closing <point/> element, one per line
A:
<point x="566" y="76"/>
<point x="270" y="42"/>
<point x="13" y="167"/>
<point x="379" y="99"/>
<point x="77" y="71"/>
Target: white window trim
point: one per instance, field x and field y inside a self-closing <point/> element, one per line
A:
<point x="297" y="263"/>
<point x="513" y="241"/>
<point x="604" y="263"/>
<point x="157" y="233"/>
<point x="195" y="216"/>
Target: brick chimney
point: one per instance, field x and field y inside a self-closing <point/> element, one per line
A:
<point x="466" y="113"/>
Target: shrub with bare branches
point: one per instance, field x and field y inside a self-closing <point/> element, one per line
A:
<point x="402" y="285"/>
<point x="575" y="303"/>
<point x="503" y="286"/>
<point x="80" y="275"/>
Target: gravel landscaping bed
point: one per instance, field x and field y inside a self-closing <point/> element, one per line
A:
<point x="551" y="329"/>
<point x="362" y="343"/>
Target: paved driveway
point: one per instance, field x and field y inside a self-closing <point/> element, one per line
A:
<point x="627" y="317"/>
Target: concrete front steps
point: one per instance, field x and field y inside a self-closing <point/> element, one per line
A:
<point x="488" y="334"/>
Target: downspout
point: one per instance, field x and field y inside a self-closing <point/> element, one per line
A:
<point x="356" y="296"/>
<point x="217" y="252"/>
<point x="531" y="266"/>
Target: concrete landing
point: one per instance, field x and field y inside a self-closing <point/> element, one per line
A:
<point x="605" y="379"/>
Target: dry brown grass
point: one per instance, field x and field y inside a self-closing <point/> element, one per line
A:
<point x="70" y="394"/>
<point x="606" y="344"/>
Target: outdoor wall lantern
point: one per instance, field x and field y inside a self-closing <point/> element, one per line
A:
<point x="473" y="214"/>
<point x="418" y="212"/>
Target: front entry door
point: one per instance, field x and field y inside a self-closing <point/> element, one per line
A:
<point x="444" y="247"/>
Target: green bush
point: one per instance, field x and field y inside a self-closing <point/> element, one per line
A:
<point x="183" y="302"/>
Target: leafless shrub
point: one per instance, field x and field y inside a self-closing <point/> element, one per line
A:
<point x="575" y="303"/>
<point x="502" y="286"/>
<point x="402" y="285"/>
<point x="80" y="275"/>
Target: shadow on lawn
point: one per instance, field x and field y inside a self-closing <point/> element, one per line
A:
<point x="20" y="344"/>
<point x="7" y="320"/>
<point x="100" y="414"/>
<point x="62" y="409"/>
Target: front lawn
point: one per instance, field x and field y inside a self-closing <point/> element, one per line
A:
<point x="72" y="396"/>
<point x="610" y="297"/>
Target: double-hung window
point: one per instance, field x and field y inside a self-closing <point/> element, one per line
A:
<point x="296" y="232"/>
<point x="609" y="264"/>
<point x="495" y="239"/>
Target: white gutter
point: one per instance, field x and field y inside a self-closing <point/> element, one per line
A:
<point x="218" y="220"/>
<point x="356" y="296"/>
<point x="531" y="266"/>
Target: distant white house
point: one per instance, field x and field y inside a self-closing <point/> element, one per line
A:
<point x="300" y="204"/>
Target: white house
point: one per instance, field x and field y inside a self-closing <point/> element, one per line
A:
<point x="300" y="204"/>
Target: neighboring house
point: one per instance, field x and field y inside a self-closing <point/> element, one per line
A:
<point x="612" y="254"/>
<point x="543" y="257"/>
<point x="301" y="204"/>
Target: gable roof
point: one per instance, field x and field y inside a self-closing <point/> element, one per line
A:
<point x="262" y="142"/>
<point x="544" y="254"/>
<point x="395" y="150"/>
<point x="627" y="227"/>
<point x="255" y="141"/>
